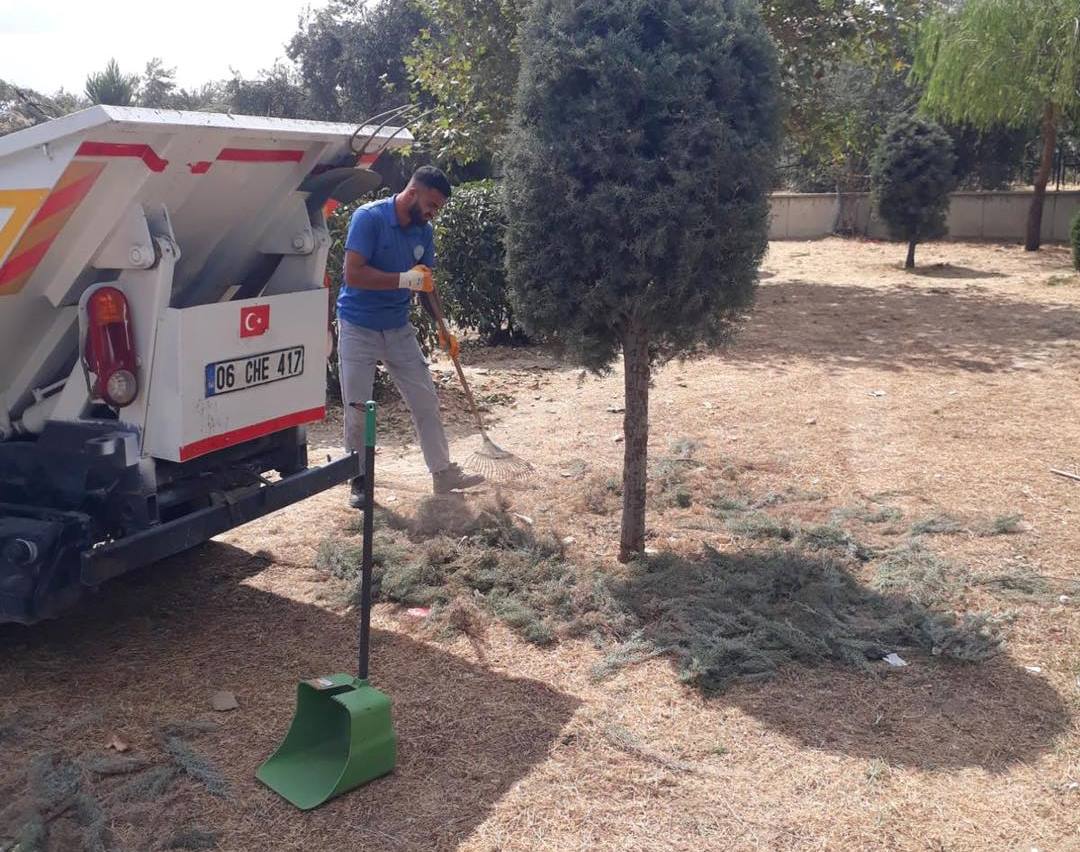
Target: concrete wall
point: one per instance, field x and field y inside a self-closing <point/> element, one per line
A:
<point x="972" y="215"/>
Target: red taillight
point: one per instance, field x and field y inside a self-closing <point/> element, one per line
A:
<point x="110" y="347"/>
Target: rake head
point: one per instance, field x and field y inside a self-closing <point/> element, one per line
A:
<point x="498" y="465"/>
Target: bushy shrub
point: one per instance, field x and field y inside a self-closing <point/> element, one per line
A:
<point x="471" y="270"/>
<point x="912" y="176"/>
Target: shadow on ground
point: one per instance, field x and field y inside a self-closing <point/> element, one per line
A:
<point x="793" y="637"/>
<point x="811" y="635"/>
<point x="153" y="647"/>
<point x="902" y="327"/>
<point x="933" y="715"/>
<point x="948" y="270"/>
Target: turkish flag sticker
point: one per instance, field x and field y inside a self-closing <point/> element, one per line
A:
<point x="254" y="320"/>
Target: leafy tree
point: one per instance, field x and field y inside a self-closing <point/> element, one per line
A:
<point x="277" y="92"/>
<point x="209" y="97"/>
<point x="470" y="244"/>
<point x="466" y="66"/>
<point x="843" y="65"/>
<point x="351" y="56"/>
<point x="852" y="105"/>
<point x="157" y="88"/>
<point x="466" y="62"/>
<point x="912" y="176"/>
<point x="989" y="159"/>
<point x="65" y="102"/>
<point x="111" y="86"/>
<point x="21" y="108"/>
<point x="1005" y="62"/>
<point x="637" y="173"/>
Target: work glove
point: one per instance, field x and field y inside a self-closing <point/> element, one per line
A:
<point x="418" y="279"/>
<point x="449" y="344"/>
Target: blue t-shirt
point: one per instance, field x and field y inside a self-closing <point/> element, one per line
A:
<point x="374" y="232"/>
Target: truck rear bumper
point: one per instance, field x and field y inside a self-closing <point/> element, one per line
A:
<point x="118" y="557"/>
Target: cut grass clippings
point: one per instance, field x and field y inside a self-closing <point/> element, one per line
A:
<point x="949" y="525"/>
<point x="69" y="795"/>
<point x="485" y="559"/>
<point x="197" y="766"/>
<point x="915" y="571"/>
<point x="760" y="526"/>
<point x="876" y="514"/>
<point x="721" y="617"/>
<point x="741" y="617"/>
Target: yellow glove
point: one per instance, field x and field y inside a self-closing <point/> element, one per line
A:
<point x="418" y="279"/>
<point x="449" y="344"/>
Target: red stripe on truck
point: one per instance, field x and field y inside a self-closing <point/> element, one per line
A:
<point x="119" y="149"/>
<point x="22" y="263"/>
<point x="249" y="433"/>
<point x="260" y="155"/>
<point x="65" y="197"/>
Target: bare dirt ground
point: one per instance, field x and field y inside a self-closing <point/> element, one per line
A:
<point x="943" y="394"/>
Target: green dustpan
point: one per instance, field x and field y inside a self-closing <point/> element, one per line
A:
<point x="342" y="735"/>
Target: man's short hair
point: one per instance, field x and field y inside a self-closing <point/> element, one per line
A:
<point x="432" y="178"/>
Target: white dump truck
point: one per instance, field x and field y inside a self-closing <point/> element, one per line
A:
<point x="163" y="334"/>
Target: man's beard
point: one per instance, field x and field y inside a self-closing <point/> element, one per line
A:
<point x="415" y="216"/>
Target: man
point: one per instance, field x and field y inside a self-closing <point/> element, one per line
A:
<point x="389" y="255"/>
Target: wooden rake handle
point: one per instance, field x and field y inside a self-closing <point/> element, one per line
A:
<point x="440" y="320"/>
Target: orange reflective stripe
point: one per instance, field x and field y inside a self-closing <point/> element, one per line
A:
<point x="52" y="215"/>
<point x="23" y="203"/>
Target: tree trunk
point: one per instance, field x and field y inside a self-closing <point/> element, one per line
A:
<point x="636" y="439"/>
<point x="1042" y="177"/>
<point x="910" y="262"/>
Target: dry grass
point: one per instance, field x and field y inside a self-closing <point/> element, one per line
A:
<point x="69" y="799"/>
<point x="594" y="741"/>
<point x="193" y="838"/>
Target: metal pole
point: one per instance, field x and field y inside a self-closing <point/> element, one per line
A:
<point x="369" y="530"/>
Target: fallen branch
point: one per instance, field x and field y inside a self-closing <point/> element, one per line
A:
<point x="1066" y="474"/>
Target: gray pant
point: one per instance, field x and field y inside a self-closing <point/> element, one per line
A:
<point x="358" y="350"/>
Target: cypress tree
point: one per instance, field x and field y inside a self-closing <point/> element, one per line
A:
<point x="638" y="166"/>
<point x="912" y="176"/>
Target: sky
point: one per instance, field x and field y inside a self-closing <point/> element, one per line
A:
<point x="49" y="44"/>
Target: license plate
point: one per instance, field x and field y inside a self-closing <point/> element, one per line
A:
<point x="253" y="370"/>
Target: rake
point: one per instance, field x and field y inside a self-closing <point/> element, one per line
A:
<point x="491" y="461"/>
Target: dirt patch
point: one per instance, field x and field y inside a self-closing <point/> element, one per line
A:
<point x="897" y="428"/>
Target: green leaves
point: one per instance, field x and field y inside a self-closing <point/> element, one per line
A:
<point x="471" y="273"/>
<point x="912" y="176"/>
<point x="1000" y="62"/>
<point x="351" y="56"/>
<point x="637" y="169"/>
<point x="111" y="86"/>
<point x="465" y="68"/>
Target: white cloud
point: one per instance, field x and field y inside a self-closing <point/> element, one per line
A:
<point x="54" y="45"/>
